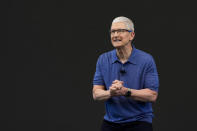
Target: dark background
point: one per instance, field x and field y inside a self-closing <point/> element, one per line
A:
<point x="50" y="51"/>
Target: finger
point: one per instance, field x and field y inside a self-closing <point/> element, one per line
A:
<point x="120" y="87"/>
<point x="112" y="88"/>
<point x="115" y="81"/>
<point x="117" y="93"/>
<point x="117" y="86"/>
<point x="114" y="85"/>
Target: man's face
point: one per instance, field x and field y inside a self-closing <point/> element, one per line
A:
<point x="120" y="38"/>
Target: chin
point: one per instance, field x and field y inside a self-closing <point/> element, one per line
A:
<point x="117" y="45"/>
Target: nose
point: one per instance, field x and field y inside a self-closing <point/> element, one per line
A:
<point x="116" y="33"/>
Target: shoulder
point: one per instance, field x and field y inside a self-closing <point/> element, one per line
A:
<point x="106" y="56"/>
<point x="143" y="56"/>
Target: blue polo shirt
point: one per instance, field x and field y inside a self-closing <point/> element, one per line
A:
<point x="139" y="72"/>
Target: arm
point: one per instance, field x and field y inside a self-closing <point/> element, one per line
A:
<point x="144" y="95"/>
<point x="99" y="93"/>
<point x="151" y="84"/>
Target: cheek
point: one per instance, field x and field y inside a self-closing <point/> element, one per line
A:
<point x="126" y="38"/>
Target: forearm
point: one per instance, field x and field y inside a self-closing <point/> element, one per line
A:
<point x="101" y="95"/>
<point x="144" y="95"/>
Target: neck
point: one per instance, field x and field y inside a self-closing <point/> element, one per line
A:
<point x="124" y="53"/>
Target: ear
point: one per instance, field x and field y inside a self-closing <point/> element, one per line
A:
<point x="132" y="35"/>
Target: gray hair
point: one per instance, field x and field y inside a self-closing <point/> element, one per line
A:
<point x="128" y="22"/>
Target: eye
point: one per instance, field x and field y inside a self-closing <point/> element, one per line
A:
<point x="121" y="30"/>
<point x="113" y="31"/>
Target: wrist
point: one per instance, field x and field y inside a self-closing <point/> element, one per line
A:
<point x="128" y="93"/>
<point x="109" y="93"/>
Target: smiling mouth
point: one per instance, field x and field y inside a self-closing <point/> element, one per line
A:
<point x="117" y="40"/>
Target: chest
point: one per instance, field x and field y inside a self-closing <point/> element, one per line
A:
<point x="130" y="74"/>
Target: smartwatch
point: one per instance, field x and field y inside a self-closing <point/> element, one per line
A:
<point x="128" y="93"/>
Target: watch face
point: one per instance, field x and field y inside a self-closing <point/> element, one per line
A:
<point x="128" y="94"/>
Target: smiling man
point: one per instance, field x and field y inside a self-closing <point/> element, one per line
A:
<point x="126" y="79"/>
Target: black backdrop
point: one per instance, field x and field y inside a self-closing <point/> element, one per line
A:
<point x="50" y="53"/>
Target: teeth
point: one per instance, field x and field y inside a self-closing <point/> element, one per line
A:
<point x="117" y="40"/>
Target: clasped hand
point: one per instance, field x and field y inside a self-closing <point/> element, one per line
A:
<point x="117" y="88"/>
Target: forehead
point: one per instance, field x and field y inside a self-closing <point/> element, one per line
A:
<point x="118" y="25"/>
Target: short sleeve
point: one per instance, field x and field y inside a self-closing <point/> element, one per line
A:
<point x="151" y="76"/>
<point x="98" y="77"/>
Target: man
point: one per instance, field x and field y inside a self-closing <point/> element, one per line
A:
<point x="127" y="80"/>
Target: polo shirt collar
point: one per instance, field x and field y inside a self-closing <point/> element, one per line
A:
<point x="132" y="58"/>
